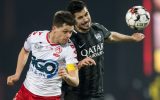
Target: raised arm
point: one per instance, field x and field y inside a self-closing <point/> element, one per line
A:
<point x="118" y="37"/>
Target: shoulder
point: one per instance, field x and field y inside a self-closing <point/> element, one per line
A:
<point x="95" y="24"/>
<point x="98" y="26"/>
<point x="68" y="46"/>
<point x="38" y="34"/>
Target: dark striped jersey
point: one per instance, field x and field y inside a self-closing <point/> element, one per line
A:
<point x="91" y="44"/>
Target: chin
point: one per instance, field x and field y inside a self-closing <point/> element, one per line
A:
<point x="87" y="28"/>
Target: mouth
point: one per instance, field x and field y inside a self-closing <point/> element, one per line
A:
<point x="86" y="24"/>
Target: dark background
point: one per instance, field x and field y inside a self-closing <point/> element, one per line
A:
<point x="124" y="79"/>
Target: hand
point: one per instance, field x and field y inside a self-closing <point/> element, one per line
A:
<point x="85" y="62"/>
<point x="12" y="79"/>
<point x="137" y="37"/>
<point x="62" y="72"/>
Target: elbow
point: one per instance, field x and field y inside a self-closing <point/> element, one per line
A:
<point x="76" y="84"/>
<point x="73" y="82"/>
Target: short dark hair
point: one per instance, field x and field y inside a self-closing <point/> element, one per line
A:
<point x="63" y="17"/>
<point x="76" y="6"/>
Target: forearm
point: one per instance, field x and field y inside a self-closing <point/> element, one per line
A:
<point x="70" y="80"/>
<point x="22" y="59"/>
<point x="69" y="74"/>
<point x="118" y="37"/>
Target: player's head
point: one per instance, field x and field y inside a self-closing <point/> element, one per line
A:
<point x="82" y="16"/>
<point x="63" y="17"/>
<point x="63" y="26"/>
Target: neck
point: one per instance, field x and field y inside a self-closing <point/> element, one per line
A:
<point x="52" y="38"/>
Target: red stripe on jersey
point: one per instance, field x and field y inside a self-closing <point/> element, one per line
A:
<point x="47" y="38"/>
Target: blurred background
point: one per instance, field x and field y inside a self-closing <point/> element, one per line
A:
<point x="131" y="69"/>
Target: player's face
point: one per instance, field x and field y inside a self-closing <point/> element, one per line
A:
<point x="63" y="33"/>
<point x="83" y="20"/>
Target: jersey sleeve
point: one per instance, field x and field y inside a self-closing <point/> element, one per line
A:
<point x="106" y="32"/>
<point x="71" y="54"/>
<point x="27" y="43"/>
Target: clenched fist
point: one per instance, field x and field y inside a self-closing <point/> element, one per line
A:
<point x="12" y="79"/>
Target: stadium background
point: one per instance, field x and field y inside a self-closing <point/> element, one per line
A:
<point x="124" y="68"/>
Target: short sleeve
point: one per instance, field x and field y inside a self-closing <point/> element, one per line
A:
<point x="27" y="43"/>
<point x="106" y="32"/>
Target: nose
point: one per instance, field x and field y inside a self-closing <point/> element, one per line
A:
<point x="85" y="19"/>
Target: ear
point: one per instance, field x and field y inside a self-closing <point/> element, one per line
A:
<point x="53" y="27"/>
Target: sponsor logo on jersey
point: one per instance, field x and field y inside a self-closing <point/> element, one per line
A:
<point x="98" y="36"/>
<point x="38" y="45"/>
<point x="47" y="68"/>
<point x="94" y="51"/>
<point x="58" y="50"/>
<point x="80" y="46"/>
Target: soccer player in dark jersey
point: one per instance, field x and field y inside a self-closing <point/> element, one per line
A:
<point x="89" y="39"/>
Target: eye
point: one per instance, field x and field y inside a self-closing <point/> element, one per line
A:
<point x="70" y="32"/>
<point x="80" y="17"/>
<point x="86" y="14"/>
<point x="65" y="32"/>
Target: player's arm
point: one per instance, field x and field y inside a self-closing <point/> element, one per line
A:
<point x="70" y="74"/>
<point x="22" y="59"/>
<point x="85" y="62"/>
<point x="118" y="37"/>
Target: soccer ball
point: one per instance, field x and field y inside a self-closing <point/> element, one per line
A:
<point x="137" y="18"/>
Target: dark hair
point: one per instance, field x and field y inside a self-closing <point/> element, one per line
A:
<point x="76" y="6"/>
<point x="63" y="17"/>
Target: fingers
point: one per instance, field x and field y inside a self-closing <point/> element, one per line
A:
<point x="138" y="36"/>
<point x="86" y="62"/>
<point x="62" y="72"/>
<point x="10" y="81"/>
<point x="91" y="61"/>
<point x="142" y="35"/>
